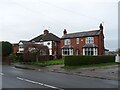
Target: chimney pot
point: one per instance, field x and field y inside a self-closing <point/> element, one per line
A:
<point x="101" y="26"/>
<point x="46" y="31"/>
<point x="65" y="31"/>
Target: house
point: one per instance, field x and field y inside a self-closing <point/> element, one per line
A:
<point x="83" y="43"/>
<point x="15" y="47"/>
<point x="21" y="46"/>
<point x="50" y="40"/>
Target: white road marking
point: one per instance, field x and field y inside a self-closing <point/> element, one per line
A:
<point x="34" y="82"/>
<point x="1" y="74"/>
<point x="20" y="78"/>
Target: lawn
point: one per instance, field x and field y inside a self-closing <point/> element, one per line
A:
<point x="46" y="63"/>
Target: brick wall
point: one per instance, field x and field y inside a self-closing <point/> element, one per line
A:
<point x="98" y="40"/>
<point x="101" y="44"/>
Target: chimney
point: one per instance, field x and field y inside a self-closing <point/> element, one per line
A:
<point x="101" y="26"/>
<point x="46" y="32"/>
<point x="65" y="32"/>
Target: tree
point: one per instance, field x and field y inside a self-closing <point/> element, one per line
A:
<point x="6" y="48"/>
<point x="37" y="49"/>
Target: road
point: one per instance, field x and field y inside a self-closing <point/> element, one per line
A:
<point x="21" y="78"/>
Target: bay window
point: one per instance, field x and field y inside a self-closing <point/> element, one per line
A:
<point x="68" y="51"/>
<point x="90" y="51"/>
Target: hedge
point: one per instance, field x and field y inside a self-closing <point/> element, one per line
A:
<point x="87" y="60"/>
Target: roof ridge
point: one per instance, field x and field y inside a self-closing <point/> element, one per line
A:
<point x="84" y="31"/>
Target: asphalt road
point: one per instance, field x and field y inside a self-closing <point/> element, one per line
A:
<point x="21" y="78"/>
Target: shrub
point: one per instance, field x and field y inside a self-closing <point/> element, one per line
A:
<point x="20" y="56"/>
<point x="87" y="60"/>
<point x="14" y="57"/>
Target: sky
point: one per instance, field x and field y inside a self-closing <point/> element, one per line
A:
<point x="26" y="19"/>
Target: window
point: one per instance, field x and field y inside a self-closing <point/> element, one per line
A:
<point x="48" y="43"/>
<point x="67" y="42"/>
<point x="55" y="53"/>
<point x="55" y="43"/>
<point x="21" y="46"/>
<point x="77" y="52"/>
<point x="77" y="40"/>
<point x="89" y="40"/>
<point x="43" y="52"/>
<point x="67" y="51"/>
<point x="90" y="51"/>
<point x="31" y="49"/>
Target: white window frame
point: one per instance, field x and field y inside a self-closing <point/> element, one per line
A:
<point x="89" y="40"/>
<point x="77" y="40"/>
<point x="67" y="42"/>
<point x="93" y="51"/>
<point x="69" y="52"/>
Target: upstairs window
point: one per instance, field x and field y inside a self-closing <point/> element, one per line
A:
<point x="67" y="42"/>
<point x="21" y="46"/>
<point x="77" y="40"/>
<point x="89" y="40"/>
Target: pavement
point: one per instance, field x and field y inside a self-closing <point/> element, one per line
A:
<point x="104" y="72"/>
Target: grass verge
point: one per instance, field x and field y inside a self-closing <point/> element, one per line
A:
<point x="46" y="63"/>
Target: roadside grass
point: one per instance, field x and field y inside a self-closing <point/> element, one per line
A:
<point x="92" y="65"/>
<point x="46" y="63"/>
<point x="61" y="62"/>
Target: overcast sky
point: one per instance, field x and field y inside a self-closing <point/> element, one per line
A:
<point x="26" y="19"/>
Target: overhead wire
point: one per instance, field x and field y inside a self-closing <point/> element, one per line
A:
<point x="52" y="18"/>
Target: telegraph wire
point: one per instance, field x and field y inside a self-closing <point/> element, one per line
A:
<point x="52" y="18"/>
<point x="77" y="13"/>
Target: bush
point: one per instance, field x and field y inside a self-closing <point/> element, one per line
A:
<point x="14" y="57"/>
<point x="20" y="56"/>
<point x="6" y="48"/>
<point x="87" y="60"/>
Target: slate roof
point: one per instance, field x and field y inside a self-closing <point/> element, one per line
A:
<point x="46" y="37"/>
<point x="90" y="46"/>
<point x="81" y="34"/>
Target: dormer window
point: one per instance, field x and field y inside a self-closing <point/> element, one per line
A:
<point x="67" y="42"/>
<point x="89" y="40"/>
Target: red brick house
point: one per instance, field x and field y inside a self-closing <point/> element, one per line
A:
<point x="83" y="43"/>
